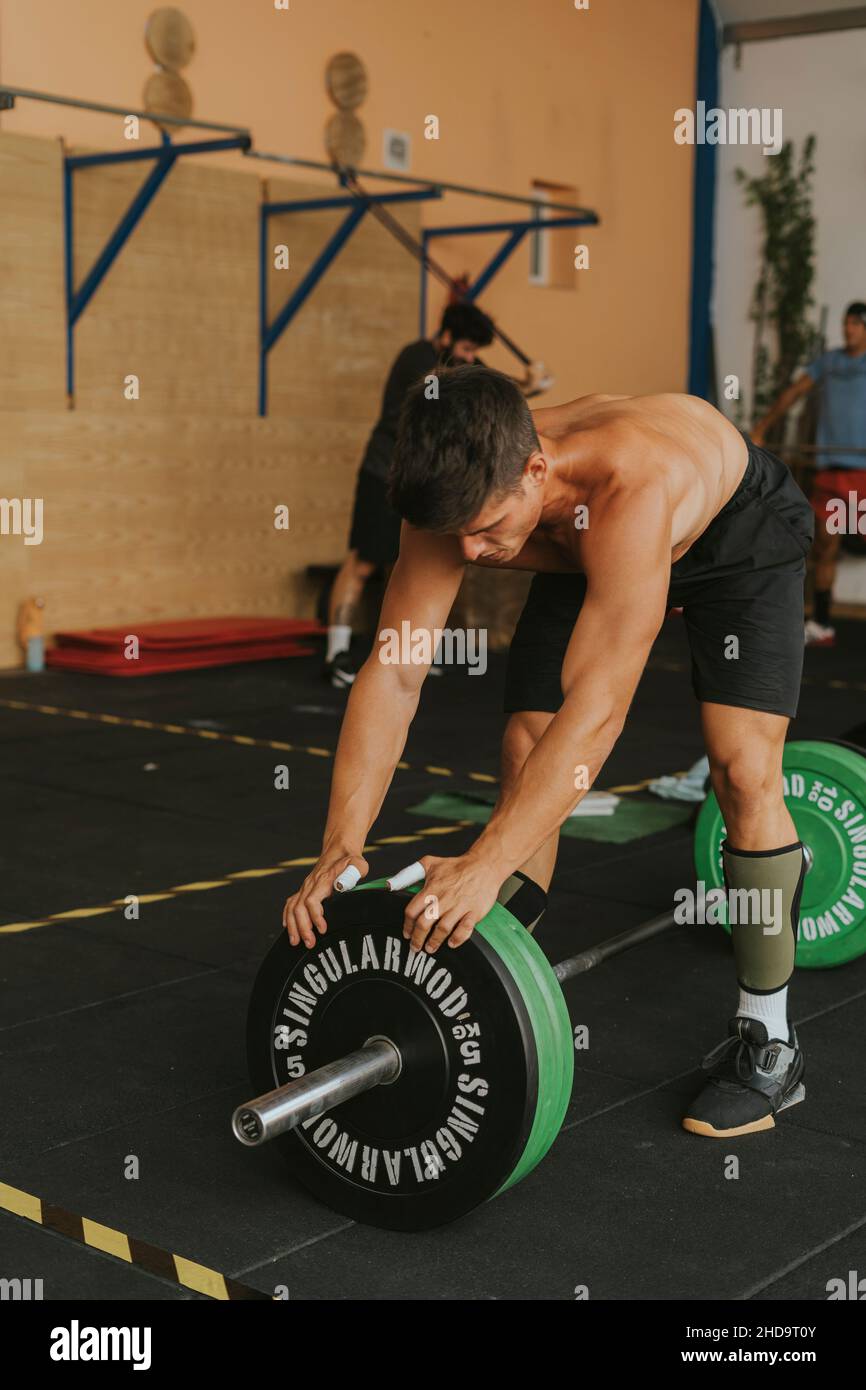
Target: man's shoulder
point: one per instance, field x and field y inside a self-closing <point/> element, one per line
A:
<point x="583" y="416"/>
<point x="829" y="360"/>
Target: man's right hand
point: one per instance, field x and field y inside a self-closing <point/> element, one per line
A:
<point x="302" y="914"/>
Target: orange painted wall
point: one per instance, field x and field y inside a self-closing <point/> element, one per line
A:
<point x="523" y="89"/>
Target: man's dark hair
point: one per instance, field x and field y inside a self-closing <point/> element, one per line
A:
<point x="856" y="310"/>
<point x="460" y="449"/>
<point x="467" y="321"/>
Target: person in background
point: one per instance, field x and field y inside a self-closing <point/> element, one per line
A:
<point x="374" y="540"/>
<point x="841" y="376"/>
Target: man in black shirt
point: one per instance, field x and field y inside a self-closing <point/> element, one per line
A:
<point x="374" y="540"/>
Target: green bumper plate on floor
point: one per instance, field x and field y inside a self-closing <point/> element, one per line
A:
<point x="825" y="791"/>
<point x="632" y="819"/>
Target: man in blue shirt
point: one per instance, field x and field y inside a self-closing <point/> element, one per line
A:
<point x="840" y="376"/>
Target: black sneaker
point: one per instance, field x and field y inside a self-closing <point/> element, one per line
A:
<point x="341" y="670"/>
<point x="751" y="1078"/>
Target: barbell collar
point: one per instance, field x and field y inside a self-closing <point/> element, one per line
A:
<point x="377" y="1063"/>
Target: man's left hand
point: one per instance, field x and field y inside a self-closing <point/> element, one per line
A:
<point x="454" y="897"/>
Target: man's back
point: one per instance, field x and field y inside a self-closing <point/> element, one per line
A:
<point x="411" y="363"/>
<point x="601" y="445"/>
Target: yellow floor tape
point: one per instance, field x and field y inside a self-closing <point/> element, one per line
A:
<point x="215" y="736"/>
<point x="202" y="886"/>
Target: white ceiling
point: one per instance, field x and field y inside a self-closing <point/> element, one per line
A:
<point x="741" y="11"/>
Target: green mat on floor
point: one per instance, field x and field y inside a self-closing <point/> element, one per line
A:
<point x="633" y="818"/>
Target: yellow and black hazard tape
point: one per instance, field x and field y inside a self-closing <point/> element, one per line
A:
<point x="177" y="1269"/>
<point x="201" y="886"/>
<point x="215" y="736"/>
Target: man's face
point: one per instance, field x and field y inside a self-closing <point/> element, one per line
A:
<point x="854" y="330"/>
<point x="461" y="350"/>
<point x="464" y="350"/>
<point x="500" y="530"/>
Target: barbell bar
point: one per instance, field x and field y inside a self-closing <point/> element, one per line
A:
<point x="374" y="1064"/>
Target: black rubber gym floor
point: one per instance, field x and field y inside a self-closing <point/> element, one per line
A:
<point x="123" y="1040"/>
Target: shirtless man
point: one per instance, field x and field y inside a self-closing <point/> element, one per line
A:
<point x="681" y="510"/>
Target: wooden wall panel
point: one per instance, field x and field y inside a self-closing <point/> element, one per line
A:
<point x="154" y="517"/>
<point x="15" y="556"/>
<point x="32" y="317"/>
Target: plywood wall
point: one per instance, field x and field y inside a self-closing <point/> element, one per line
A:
<point x="31" y="276"/>
<point x="163" y="506"/>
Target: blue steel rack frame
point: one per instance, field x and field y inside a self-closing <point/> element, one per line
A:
<point x="240" y="138"/>
<point x="164" y="157"/>
<point x="270" y="333"/>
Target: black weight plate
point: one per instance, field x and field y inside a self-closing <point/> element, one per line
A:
<point x="447" y="1133"/>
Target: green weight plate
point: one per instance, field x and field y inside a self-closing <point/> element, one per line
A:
<point x="551" y="1026"/>
<point x="562" y="1051"/>
<point x="825" y="791"/>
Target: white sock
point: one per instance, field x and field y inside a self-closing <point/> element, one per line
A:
<point x="771" y="1009"/>
<point x="339" y="639"/>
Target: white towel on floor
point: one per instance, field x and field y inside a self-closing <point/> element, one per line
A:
<point x="689" y="787"/>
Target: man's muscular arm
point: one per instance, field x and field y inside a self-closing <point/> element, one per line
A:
<point x="627" y="558"/>
<point x="381" y="706"/>
<point x="627" y="561"/>
<point x="781" y="405"/>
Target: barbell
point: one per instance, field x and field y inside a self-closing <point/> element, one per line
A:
<point x="404" y="1089"/>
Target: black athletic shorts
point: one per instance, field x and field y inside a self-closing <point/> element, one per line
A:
<point x="742" y="577"/>
<point x="375" y="531"/>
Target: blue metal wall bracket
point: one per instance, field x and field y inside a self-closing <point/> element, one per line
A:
<point x="270" y="333"/>
<point x="514" y="234"/>
<point x="164" y="157"/>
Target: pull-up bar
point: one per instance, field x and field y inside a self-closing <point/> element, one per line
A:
<point x="8" y="95"/>
<point x="7" y="101"/>
<point x="358" y="202"/>
<point x="436" y="183"/>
